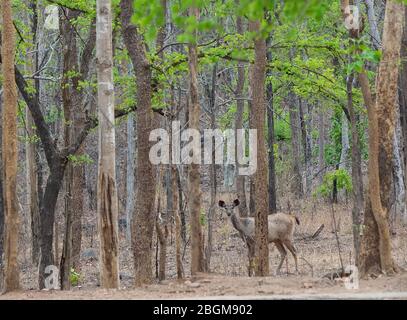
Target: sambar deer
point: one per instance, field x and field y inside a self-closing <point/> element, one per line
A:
<point x="280" y="231"/>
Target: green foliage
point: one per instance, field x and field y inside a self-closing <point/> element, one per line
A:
<point x="74" y="277"/>
<point x="202" y="218"/>
<point x="343" y="182"/>
<point x="334" y="148"/>
<point x="81" y="159"/>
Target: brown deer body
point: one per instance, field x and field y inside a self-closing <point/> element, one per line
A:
<point x="281" y="228"/>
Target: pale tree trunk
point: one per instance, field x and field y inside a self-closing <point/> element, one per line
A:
<point x="376" y="253"/>
<point x="131" y="152"/>
<point x="32" y="180"/>
<point x="107" y="206"/>
<point x="32" y="190"/>
<point x="321" y="143"/>
<point x="308" y="146"/>
<point x="143" y="225"/>
<point x="240" y="179"/>
<point x="399" y="187"/>
<point x="197" y="255"/>
<point x="374" y="31"/>
<point x="343" y="162"/>
<point x="260" y="177"/>
<point x="403" y="104"/>
<point x="357" y="182"/>
<point x="9" y="153"/>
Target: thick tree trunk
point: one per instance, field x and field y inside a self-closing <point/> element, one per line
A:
<point x="260" y="177"/>
<point x="376" y="251"/>
<point x="47" y="214"/>
<point x="197" y="255"/>
<point x="10" y="153"/>
<point x="1" y="199"/>
<point x="107" y="192"/>
<point x="144" y="221"/>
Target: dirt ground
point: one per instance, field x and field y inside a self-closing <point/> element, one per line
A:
<point x="214" y="286"/>
<point x="228" y="279"/>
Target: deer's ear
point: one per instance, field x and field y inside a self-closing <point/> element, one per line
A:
<point x="221" y="203"/>
<point x="236" y="202"/>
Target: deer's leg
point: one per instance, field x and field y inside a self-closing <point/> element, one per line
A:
<point x="291" y="247"/>
<point x="283" y="254"/>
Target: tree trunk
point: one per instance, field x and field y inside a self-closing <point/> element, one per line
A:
<point x="321" y="144"/>
<point x="47" y="214"/>
<point x="403" y="103"/>
<point x="240" y="179"/>
<point x="296" y="183"/>
<point x="260" y="177"/>
<point x="270" y="137"/>
<point x="381" y="133"/>
<point x="107" y="193"/>
<point x="374" y="31"/>
<point x="357" y="182"/>
<point x="131" y="152"/>
<point x="10" y="153"/>
<point x="178" y="233"/>
<point x="32" y="184"/>
<point x="1" y="198"/>
<point x="212" y="175"/>
<point x="144" y="221"/>
<point x="197" y="256"/>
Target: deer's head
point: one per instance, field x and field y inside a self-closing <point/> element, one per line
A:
<point x="229" y="207"/>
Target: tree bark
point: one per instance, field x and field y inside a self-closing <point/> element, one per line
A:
<point x="270" y="137"/>
<point x="212" y="174"/>
<point x="260" y="177"/>
<point x="240" y="180"/>
<point x="131" y="152"/>
<point x="10" y="153"/>
<point x="403" y="103"/>
<point x="197" y="255"/>
<point x="296" y="183"/>
<point x="107" y="192"/>
<point x="374" y="31"/>
<point x="376" y="253"/>
<point x="144" y="221"/>
<point x="1" y="198"/>
<point x="357" y="182"/>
